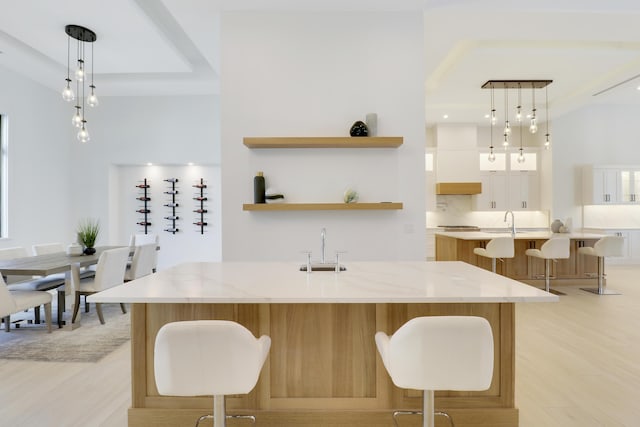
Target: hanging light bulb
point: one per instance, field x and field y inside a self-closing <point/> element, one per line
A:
<point x="80" y="71"/>
<point x="83" y="134"/>
<point x="92" y="99"/>
<point x="519" y="107"/>
<point x="521" y="155"/>
<point x="533" y="126"/>
<point x="505" y="143"/>
<point x="507" y="127"/>
<point x="547" y="142"/>
<point x="76" y="121"/>
<point x="67" y="92"/>
<point x="492" y="156"/>
<point x="493" y="109"/>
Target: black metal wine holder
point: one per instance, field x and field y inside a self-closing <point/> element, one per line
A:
<point x="145" y="199"/>
<point x="200" y="206"/>
<point x="173" y="192"/>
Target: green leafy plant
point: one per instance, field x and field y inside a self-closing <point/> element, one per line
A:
<point x="88" y="232"/>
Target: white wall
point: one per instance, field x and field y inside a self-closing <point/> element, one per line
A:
<point x="39" y="136"/>
<point x="167" y="131"/>
<point x="188" y="244"/>
<point x="602" y="134"/>
<point x="314" y="74"/>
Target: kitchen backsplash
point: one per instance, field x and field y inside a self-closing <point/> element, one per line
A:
<point x="456" y="210"/>
<point x="611" y="216"/>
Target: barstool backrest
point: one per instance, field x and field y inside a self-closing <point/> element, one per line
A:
<point x="501" y="247"/>
<point x="439" y="353"/>
<point x="609" y="246"/>
<point x="208" y="357"/>
<point x="556" y="248"/>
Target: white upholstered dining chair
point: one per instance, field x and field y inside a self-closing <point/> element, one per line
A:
<point x="16" y="301"/>
<point x="142" y="263"/>
<point x="139" y="239"/>
<point x="109" y="273"/>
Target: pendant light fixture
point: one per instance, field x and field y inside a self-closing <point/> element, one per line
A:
<point x="492" y="122"/>
<point x="533" y="124"/>
<point x="547" y="141"/>
<point x="82" y="35"/>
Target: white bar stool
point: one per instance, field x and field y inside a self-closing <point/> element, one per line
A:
<point x="208" y="357"/>
<point x="438" y="353"/>
<point x="553" y="249"/>
<point x="606" y="246"/>
<point x="499" y="247"/>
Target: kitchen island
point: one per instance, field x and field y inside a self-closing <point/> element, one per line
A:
<point x="576" y="270"/>
<point x="323" y="368"/>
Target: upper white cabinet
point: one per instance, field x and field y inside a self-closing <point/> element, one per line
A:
<point x="605" y="185"/>
<point x="629" y="185"/>
<point x="507" y="183"/>
<point x="523" y="191"/>
<point x="494" y="192"/>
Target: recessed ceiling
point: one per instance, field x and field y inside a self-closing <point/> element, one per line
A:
<point x="171" y="47"/>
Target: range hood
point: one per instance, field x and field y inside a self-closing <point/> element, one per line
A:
<point x="453" y="188"/>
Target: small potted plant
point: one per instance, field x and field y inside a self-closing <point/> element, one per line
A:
<point x="87" y="234"/>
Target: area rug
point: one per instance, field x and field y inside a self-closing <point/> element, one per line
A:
<point x="87" y="344"/>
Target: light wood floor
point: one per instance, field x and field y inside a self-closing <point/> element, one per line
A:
<point x="578" y="365"/>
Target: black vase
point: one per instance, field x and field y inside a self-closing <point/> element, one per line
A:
<point x="89" y="251"/>
<point x="359" y="128"/>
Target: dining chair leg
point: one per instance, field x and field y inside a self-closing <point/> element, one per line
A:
<point x="61" y="306"/>
<point x="36" y="315"/>
<point x="76" y="306"/>
<point x="7" y="322"/>
<point x="99" y="311"/>
<point x="47" y="316"/>
<point x="123" y="308"/>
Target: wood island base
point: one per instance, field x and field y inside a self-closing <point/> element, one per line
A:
<point x="323" y="368"/>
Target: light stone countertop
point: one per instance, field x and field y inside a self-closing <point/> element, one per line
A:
<point x="363" y="282"/>
<point x="488" y="235"/>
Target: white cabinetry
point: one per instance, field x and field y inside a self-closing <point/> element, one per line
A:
<point x="494" y="192"/>
<point x="508" y="184"/>
<point x="523" y="191"/>
<point x="629" y="179"/>
<point x="600" y="185"/>
<point x="631" y="249"/>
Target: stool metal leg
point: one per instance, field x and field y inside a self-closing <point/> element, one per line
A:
<point x="601" y="289"/>
<point x="547" y="278"/>
<point x="219" y="419"/>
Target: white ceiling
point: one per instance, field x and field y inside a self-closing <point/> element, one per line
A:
<point x="170" y="47"/>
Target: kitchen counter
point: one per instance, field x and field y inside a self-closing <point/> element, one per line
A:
<point x="281" y="282"/>
<point x="520" y="235"/>
<point x="323" y="367"/>
<point x="575" y="270"/>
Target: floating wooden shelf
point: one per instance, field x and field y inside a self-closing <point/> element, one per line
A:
<point x="320" y="206"/>
<point x="324" y="142"/>
<point x="458" y="188"/>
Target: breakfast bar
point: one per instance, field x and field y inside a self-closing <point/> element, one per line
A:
<point x="323" y="368"/>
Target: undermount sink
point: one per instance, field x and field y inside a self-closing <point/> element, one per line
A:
<point x="323" y="267"/>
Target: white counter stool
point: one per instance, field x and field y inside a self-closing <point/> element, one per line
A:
<point x="499" y="247"/>
<point x="605" y="247"/>
<point x="552" y="250"/>
<point x="438" y="353"/>
<point x="208" y="357"/>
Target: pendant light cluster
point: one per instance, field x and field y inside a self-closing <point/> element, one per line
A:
<point x="507" y="133"/>
<point x="82" y="35"/>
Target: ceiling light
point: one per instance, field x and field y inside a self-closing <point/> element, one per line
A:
<point x="533" y="124"/>
<point x="82" y="35"/>
<point x="446" y="116"/>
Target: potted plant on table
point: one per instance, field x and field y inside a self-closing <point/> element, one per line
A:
<point x="87" y="234"/>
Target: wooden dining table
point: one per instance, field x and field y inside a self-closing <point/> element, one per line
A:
<point x="58" y="262"/>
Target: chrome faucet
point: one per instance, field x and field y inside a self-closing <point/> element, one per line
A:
<point x="513" y="222"/>
<point x="323" y="236"/>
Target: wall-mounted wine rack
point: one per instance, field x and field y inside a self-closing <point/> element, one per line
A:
<point x="200" y="206"/>
<point x="173" y="204"/>
<point x="145" y="199"/>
